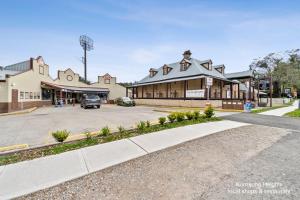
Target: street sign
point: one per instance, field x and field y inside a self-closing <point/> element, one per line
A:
<point x="209" y="81"/>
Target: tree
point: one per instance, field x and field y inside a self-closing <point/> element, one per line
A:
<point x="265" y="66"/>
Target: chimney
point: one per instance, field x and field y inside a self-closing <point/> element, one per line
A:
<point x="187" y="54"/>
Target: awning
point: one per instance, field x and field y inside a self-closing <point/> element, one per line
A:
<point x="66" y="88"/>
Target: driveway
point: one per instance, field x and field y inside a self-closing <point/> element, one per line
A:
<point x="35" y="128"/>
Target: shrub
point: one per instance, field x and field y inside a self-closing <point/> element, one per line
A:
<point x="189" y="115"/>
<point x="105" y="131"/>
<point x="209" y="112"/>
<point x="196" y="114"/>
<point x="141" y="126"/>
<point x="172" y="117"/>
<point x="148" y="124"/>
<point x="60" y="136"/>
<point x="121" y="129"/>
<point x="180" y="116"/>
<point x="162" y="120"/>
<point x="88" y="135"/>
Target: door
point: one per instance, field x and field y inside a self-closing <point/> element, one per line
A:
<point x="14" y="99"/>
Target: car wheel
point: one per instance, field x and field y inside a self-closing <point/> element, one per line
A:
<point x="85" y="107"/>
<point x="98" y="107"/>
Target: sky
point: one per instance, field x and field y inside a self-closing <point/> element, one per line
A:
<point x="132" y="36"/>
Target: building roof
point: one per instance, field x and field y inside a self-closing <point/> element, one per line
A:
<point x="75" y="89"/>
<point x="195" y="69"/>
<point x="4" y="72"/>
<point x="248" y="73"/>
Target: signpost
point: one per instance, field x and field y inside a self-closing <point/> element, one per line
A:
<point x="209" y="82"/>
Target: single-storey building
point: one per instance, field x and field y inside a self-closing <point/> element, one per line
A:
<point x="28" y="84"/>
<point x="192" y="82"/>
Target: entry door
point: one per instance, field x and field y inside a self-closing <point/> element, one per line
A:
<point x="14" y="99"/>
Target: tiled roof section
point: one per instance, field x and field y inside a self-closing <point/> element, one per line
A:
<point x="248" y="73"/>
<point x="194" y="69"/>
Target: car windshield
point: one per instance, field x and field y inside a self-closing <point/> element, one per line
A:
<point x="126" y="99"/>
<point x="92" y="97"/>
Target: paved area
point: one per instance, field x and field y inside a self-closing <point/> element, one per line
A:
<point x="35" y="128"/>
<point x="218" y="166"/>
<point x="281" y="111"/>
<point x="51" y="170"/>
<point x="267" y="120"/>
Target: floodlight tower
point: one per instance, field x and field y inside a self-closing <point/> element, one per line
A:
<point x="87" y="44"/>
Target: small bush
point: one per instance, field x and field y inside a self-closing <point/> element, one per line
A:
<point x="209" y="112"/>
<point x="121" y="129"/>
<point x="196" y="114"/>
<point x="148" y="124"/>
<point x="172" y="117"/>
<point x="60" y="136"/>
<point x="105" y="131"/>
<point x="141" y="126"/>
<point x="88" y="135"/>
<point x="180" y="116"/>
<point x="189" y="115"/>
<point x="162" y="120"/>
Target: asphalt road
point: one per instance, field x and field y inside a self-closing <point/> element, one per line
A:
<point x="266" y="120"/>
<point x="252" y="162"/>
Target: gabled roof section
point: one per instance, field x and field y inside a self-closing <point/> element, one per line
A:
<point x="194" y="69"/>
<point x="243" y="74"/>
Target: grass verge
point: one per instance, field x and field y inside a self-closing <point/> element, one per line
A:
<point x="63" y="147"/>
<point x="295" y="113"/>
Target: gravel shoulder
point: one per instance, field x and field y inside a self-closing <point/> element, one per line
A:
<point x="199" y="169"/>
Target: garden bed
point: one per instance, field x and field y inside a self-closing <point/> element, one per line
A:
<point x="29" y="154"/>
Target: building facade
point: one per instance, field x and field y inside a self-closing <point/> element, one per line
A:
<point x="28" y="84"/>
<point x="190" y="82"/>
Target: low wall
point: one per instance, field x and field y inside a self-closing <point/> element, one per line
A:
<point x="7" y="107"/>
<point x="175" y="102"/>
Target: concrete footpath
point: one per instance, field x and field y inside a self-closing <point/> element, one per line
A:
<point x="281" y="111"/>
<point x="30" y="176"/>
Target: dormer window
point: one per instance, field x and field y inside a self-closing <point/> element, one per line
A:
<point x="166" y="69"/>
<point x="220" y="68"/>
<point x="207" y="65"/>
<point x="184" y="65"/>
<point x="152" y="72"/>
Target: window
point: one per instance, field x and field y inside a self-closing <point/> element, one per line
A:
<point x="107" y="81"/>
<point x="26" y="95"/>
<point x="31" y="95"/>
<point x="22" y="95"/>
<point x="38" y="95"/>
<point x="166" y="70"/>
<point x="41" y="70"/>
<point x="185" y="66"/>
<point x="46" y="94"/>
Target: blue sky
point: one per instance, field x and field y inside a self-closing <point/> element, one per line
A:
<point x="132" y="36"/>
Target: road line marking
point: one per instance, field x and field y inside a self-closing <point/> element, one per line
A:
<point x="13" y="147"/>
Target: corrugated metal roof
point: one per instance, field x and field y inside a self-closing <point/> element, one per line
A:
<point x="194" y="69"/>
<point x="74" y="89"/>
<point x="4" y="72"/>
<point x="248" y="73"/>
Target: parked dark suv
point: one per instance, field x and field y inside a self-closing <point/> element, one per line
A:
<point x="90" y="100"/>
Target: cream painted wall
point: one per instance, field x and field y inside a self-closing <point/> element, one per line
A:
<point x="3" y="92"/>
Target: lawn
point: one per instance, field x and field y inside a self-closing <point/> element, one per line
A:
<point x="295" y="113"/>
